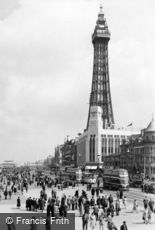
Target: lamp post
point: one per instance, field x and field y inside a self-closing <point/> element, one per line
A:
<point x="60" y="176"/>
<point x="144" y="167"/>
<point x="127" y="160"/>
<point x="98" y="159"/>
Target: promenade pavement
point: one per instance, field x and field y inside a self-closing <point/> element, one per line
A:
<point x="133" y="219"/>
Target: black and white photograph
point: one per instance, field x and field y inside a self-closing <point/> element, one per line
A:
<point x="77" y="114"/>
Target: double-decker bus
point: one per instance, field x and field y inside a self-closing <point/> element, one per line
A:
<point x="115" y="179"/>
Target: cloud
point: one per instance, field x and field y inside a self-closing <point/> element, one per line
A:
<point x="7" y="7"/>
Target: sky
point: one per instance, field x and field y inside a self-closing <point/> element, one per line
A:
<point x="46" y="63"/>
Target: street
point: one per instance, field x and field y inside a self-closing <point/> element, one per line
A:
<point x="133" y="219"/>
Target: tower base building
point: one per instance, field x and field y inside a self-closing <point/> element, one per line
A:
<point x="96" y="144"/>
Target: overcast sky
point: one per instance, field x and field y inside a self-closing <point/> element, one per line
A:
<point x="46" y="62"/>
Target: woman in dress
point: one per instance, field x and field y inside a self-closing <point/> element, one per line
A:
<point x="145" y="216"/>
<point x="135" y="205"/>
<point x="149" y="215"/>
<point x="92" y="221"/>
<point x="101" y="221"/>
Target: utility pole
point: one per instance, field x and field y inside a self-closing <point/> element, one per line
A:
<point x="144" y="166"/>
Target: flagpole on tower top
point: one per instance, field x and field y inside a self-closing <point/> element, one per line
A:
<point x="101" y="3"/>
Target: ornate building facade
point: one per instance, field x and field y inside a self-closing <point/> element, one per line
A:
<point x="138" y="154"/>
<point x="66" y="154"/>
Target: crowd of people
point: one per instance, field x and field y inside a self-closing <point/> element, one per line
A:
<point x="148" y="210"/>
<point x="95" y="209"/>
<point x="10" y="185"/>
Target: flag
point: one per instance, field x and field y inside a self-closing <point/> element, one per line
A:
<point x="130" y="124"/>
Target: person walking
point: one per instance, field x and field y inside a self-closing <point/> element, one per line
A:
<point x="69" y="202"/>
<point x="135" y="205"/>
<point x="124" y="226"/>
<point x="118" y="194"/>
<point x="117" y="207"/>
<point x="144" y="217"/>
<point x="149" y="215"/>
<point x="111" y="209"/>
<point x="121" y="194"/>
<point x="96" y="211"/>
<point x="48" y="223"/>
<point x="85" y="219"/>
<point x="92" y="191"/>
<point x="145" y="202"/>
<point x="110" y="199"/>
<point x="151" y="204"/>
<point x="5" y="194"/>
<point x="98" y="201"/>
<point x="101" y="221"/>
<point x="18" y="202"/>
<point x="111" y="226"/>
<point x="10" y="193"/>
<point x="92" y="221"/>
<point x="125" y="202"/>
<point x="92" y="202"/>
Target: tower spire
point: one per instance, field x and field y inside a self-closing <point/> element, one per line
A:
<point x="152" y="117"/>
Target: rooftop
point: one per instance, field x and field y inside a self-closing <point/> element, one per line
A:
<point x="151" y="126"/>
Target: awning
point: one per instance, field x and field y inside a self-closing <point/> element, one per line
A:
<point x="93" y="167"/>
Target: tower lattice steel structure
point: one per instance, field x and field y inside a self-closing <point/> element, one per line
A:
<point x="100" y="90"/>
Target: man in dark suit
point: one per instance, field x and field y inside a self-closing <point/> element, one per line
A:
<point x="123" y="226"/>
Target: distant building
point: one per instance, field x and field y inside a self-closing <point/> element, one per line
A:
<point x="8" y="165"/>
<point x="58" y="155"/>
<point x="35" y="165"/>
<point x="69" y="153"/>
<point x="66" y="154"/>
<point x="47" y="163"/>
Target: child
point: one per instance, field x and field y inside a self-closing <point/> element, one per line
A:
<point x="144" y="217"/>
<point x="125" y="201"/>
<point x="149" y="215"/>
<point x="135" y="205"/>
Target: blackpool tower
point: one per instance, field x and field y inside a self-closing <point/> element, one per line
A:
<point x="100" y="90"/>
<point x="101" y="140"/>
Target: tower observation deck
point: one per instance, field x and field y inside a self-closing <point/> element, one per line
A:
<point x="100" y="89"/>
